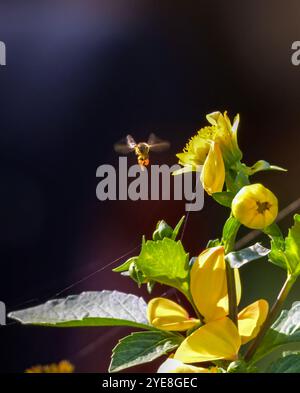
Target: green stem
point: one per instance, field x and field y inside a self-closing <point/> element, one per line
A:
<point x="275" y="310"/>
<point x="232" y="300"/>
<point x="231" y="226"/>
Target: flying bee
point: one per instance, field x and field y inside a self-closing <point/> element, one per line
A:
<point x="141" y="149"/>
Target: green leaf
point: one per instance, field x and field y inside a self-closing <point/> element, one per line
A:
<point x="288" y="363"/>
<point x="224" y="198"/>
<point x="292" y="246"/>
<point x="166" y="262"/>
<point x="177" y="228"/>
<point x="142" y="347"/>
<point x="240" y="366"/>
<point x="230" y="230"/>
<point x="214" y="243"/>
<point x="285" y="330"/>
<point x="125" y="266"/>
<point x="241" y="179"/>
<point x="262" y="165"/>
<point x="286" y="252"/>
<point x="240" y="258"/>
<point x="105" y="308"/>
<point x="276" y="256"/>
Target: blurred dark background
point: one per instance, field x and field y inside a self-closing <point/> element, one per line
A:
<point x="82" y="74"/>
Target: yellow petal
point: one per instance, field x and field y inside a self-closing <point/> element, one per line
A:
<point x="165" y="314"/>
<point x="213" y="170"/>
<point x="208" y="284"/>
<point x="176" y="366"/>
<point x="251" y="318"/>
<point x="215" y="340"/>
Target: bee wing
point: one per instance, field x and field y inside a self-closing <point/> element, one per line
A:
<point x="156" y="144"/>
<point x="125" y="145"/>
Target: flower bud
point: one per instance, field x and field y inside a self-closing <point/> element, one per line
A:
<point x="255" y="206"/>
<point x="162" y="230"/>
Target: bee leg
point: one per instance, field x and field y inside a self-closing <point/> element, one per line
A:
<point x="141" y="163"/>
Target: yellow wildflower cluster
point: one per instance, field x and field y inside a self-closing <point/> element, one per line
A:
<point x="217" y="337"/>
<point x="216" y="149"/>
<point x="63" y="367"/>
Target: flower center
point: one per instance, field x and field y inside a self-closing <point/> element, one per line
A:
<point x="262" y="206"/>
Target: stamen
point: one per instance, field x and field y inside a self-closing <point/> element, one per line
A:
<point x="262" y="206"/>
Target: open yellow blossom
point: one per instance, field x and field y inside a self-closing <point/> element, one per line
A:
<point x="168" y="315"/>
<point x="219" y="337"/>
<point x="215" y="147"/>
<point x="255" y="206"/>
<point x="176" y="366"/>
<point x="222" y="132"/>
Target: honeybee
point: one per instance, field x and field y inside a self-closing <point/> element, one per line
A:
<point x="141" y="149"/>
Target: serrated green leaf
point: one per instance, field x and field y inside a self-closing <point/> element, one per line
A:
<point x="288" y="363"/>
<point x="105" y="308"/>
<point x="285" y="330"/>
<point x="276" y="256"/>
<point x="292" y="246"/>
<point x="224" y="198"/>
<point x="142" y="347"/>
<point x="240" y="258"/>
<point x="166" y="262"/>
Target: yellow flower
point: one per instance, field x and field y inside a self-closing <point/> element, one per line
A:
<point x="195" y="152"/>
<point x="213" y="171"/>
<point x="216" y="340"/>
<point x="255" y="206"/>
<point x="219" y="337"/>
<point x="208" y="284"/>
<point x="226" y="136"/>
<point x="176" y="366"/>
<point x="168" y="315"/>
<point x="62" y="367"/>
<point x="222" y="132"/>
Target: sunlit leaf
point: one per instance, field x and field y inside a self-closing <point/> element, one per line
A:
<point x="105" y="308"/>
<point x="142" y="347"/>
<point x="240" y="258"/>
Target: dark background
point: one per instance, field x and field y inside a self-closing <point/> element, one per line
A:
<point x="82" y="74"/>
